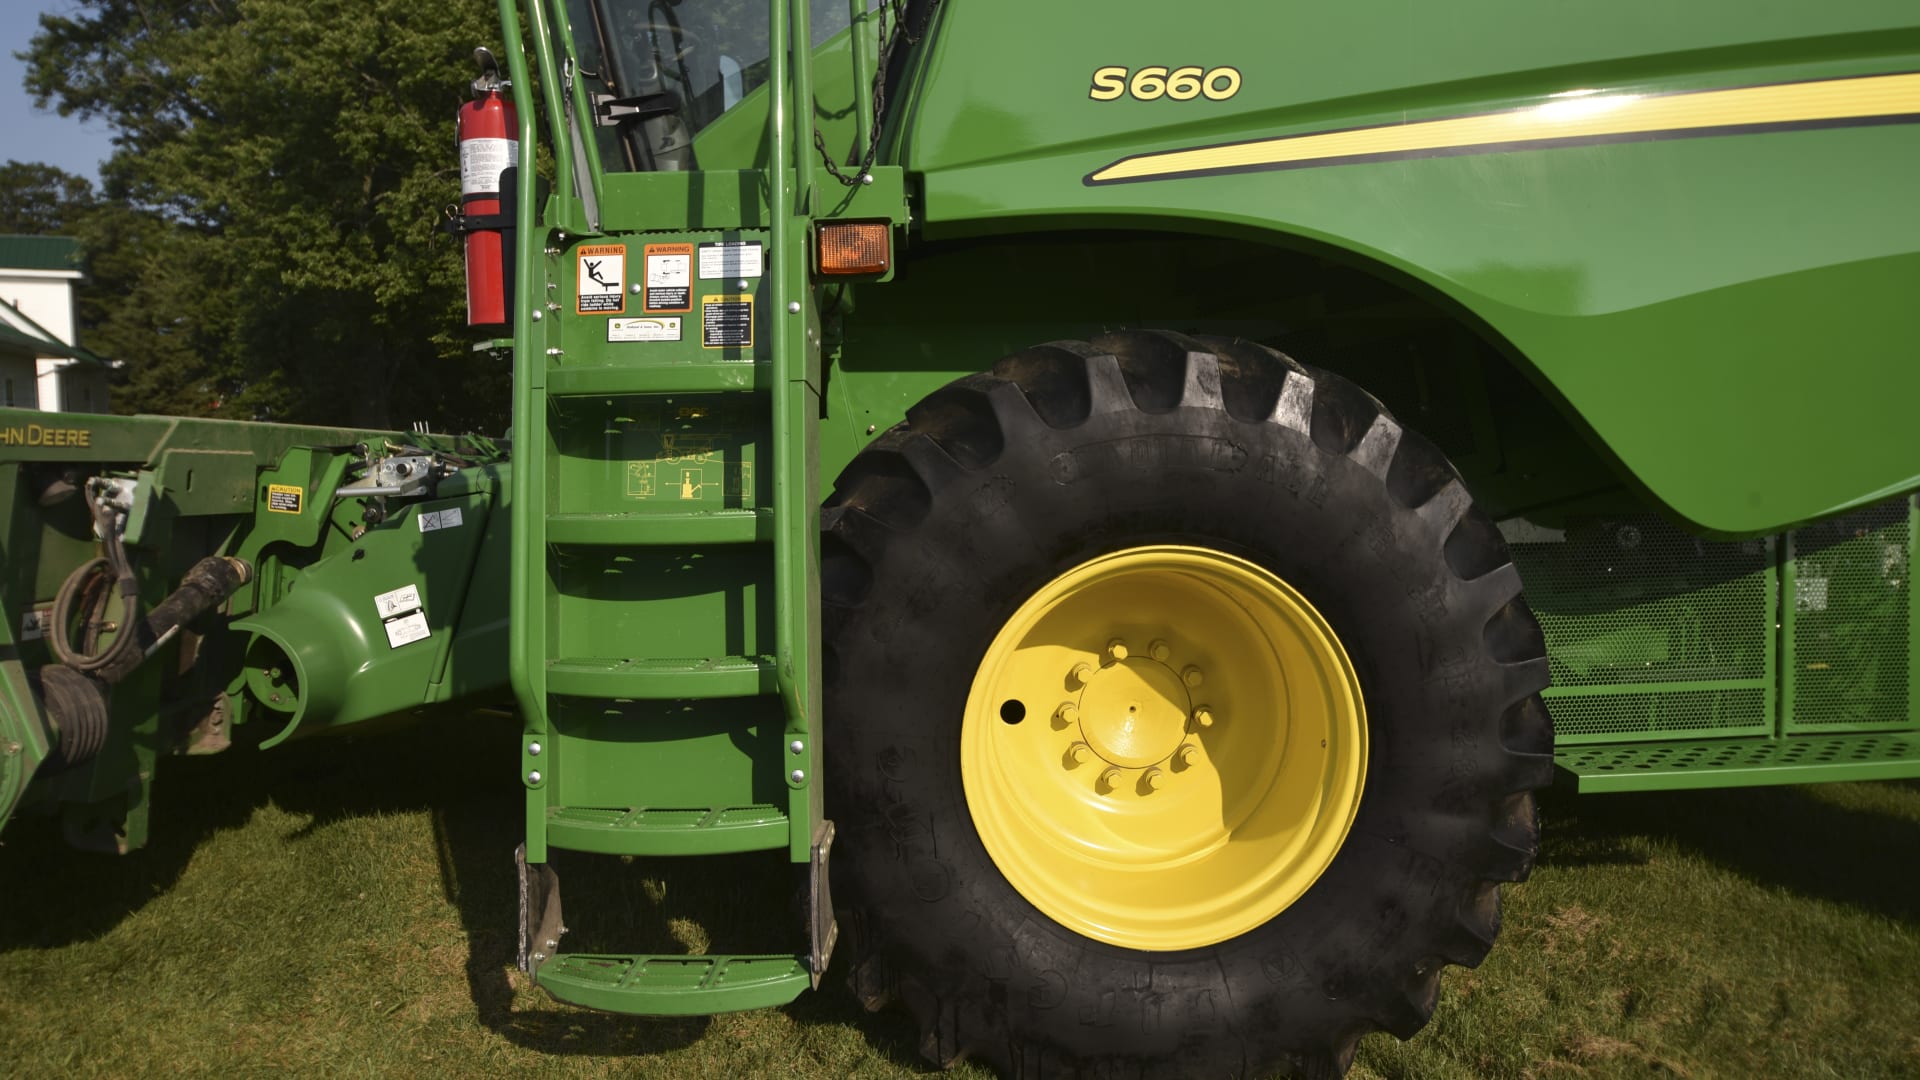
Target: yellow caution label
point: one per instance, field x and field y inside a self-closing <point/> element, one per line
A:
<point x="285" y="498"/>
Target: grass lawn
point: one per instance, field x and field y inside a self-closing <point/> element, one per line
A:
<point x="347" y="908"/>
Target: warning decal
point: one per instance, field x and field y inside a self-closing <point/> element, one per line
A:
<point x="726" y="322"/>
<point x="403" y="616"/>
<point x="669" y="281"/>
<point x="285" y="498"/>
<point x="603" y="279"/>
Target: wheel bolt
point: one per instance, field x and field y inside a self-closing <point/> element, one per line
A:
<point x="1160" y="650"/>
<point x="1150" y="782"/>
<point x="1203" y="716"/>
<point x="1066" y="715"/>
<point x="1117" y="650"/>
<point x="1187" y="755"/>
<point x="1081" y="674"/>
<point x="1192" y="676"/>
<point x="1109" y="780"/>
<point x="1077" y="755"/>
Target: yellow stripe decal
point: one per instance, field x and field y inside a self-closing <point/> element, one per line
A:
<point x="1576" y="116"/>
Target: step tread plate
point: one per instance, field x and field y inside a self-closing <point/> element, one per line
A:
<point x="712" y="377"/>
<point x="646" y="985"/>
<point x="654" y="528"/>
<point x="1750" y="762"/>
<point x="662" y="678"/>
<point x="719" y="830"/>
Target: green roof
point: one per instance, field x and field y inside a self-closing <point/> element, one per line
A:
<point x="39" y="253"/>
<point x="16" y="331"/>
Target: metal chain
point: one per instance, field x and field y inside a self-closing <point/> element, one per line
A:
<point x="885" y="59"/>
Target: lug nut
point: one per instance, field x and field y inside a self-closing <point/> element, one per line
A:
<point x="1150" y="782"/>
<point x="1203" y="716"/>
<point x="1192" y="676"/>
<point x="1187" y="755"/>
<point x="1117" y="650"/>
<point x="1109" y="780"/>
<point x="1160" y="650"/>
<point x="1081" y="674"/>
<point x="1077" y="754"/>
<point x="1066" y="715"/>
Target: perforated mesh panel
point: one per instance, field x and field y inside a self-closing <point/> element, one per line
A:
<point x="1661" y="633"/>
<point x="1848" y="603"/>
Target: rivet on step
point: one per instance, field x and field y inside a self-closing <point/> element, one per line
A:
<point x="796" y="747"/>
<point x="1192" y="676"/>
<point x="536" y="316"/>
<point x="533" y="749"/>
<point x="1080" y="674"/>
<point x="533" y="777"/>
<point x="1117" y="650"/>
<point x="634" y="288"/>
<point x="793" y="307"/>
<point x="798" y="776"/>
<point x="741" y="285"/>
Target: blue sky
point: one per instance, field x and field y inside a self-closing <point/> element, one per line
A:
<point x="30" y="134"/>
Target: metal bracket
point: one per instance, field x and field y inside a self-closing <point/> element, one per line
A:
<point x="610" y="111"/>
<point x="823" y="931"/>
<point x="541" y="927"/>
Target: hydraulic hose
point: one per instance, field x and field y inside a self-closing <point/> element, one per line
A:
<point x="113" y="567"/>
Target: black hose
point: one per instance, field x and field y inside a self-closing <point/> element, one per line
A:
<point x="114" y="567"/>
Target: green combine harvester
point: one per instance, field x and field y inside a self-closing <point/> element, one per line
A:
<point x="1125" y="505"/>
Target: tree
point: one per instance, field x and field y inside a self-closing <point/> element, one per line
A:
<point x="40" y="200"/>
<point x="276" y="193"/>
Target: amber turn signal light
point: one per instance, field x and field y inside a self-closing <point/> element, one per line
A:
<point x="854" y="247"/>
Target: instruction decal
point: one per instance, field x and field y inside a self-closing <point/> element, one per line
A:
<point x="435" y="520"/>
<point x="726" y="322"/>
<point x="669" y="281"/>
<point x="402" y="616"/>
<point x="603" y="279"/>
<point x="731" y="259"/>
<point x="285" y="498"/>
<point x="35" y="625"/>
<point x="643" y="329"/>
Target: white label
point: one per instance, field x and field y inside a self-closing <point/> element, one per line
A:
<point x="603" y="279"/>
<point x="643" y="329"/>
<point x="449" y="518"/>
<point x="34" y="625"/>
<point x="482" y="161"/>
<point x="668" y="271"/>
<point x="398" y="601"/>
<point x="406" y="629"/>
<point x="731" y="259"/>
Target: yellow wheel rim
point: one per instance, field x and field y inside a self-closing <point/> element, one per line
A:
<point x="1164" y="747"/>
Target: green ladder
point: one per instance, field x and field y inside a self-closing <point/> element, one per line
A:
<point x="665" y="594"/>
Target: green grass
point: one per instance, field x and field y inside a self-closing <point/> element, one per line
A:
<point x="347" y="908"/>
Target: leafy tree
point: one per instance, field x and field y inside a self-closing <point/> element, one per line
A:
<point x="40" y="200"/>
<point x="274" y="203"/>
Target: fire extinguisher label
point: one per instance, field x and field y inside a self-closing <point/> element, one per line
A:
<point x="482" y="161"/>
<point x="603" y="279"/>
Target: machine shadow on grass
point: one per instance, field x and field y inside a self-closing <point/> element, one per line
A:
<point x="1797" y="838"/>
<point x="451" y="769"/>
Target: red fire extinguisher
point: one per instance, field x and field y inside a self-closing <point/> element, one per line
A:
<point x="488" y="135"/>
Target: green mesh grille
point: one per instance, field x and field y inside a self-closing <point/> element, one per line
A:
<point x="1651" y="632"/>
<point x="1850" y="619"/>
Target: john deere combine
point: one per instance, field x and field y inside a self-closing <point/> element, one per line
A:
<point x="1132" y="503"/>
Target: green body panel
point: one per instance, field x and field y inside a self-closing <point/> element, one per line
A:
<point x="1710" y="307"/>
<point x="674" y="985"/>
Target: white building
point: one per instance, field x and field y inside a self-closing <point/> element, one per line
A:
<point x="41" y="367"/>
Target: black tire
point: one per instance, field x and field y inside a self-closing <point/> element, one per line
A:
<point x="999" y="482"/>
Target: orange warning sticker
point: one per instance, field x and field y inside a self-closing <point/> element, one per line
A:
<point x="603" y="279"/>
<point x="669" y="278"/>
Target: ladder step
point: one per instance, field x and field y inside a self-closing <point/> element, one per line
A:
<point x="604" y="381"/>
<point x="1748" y="762"/>
<point x="674" y="985"/>
<point x="709" y="527"/>
<point x="714" y="831"/>
<point x="662" y="679"/>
